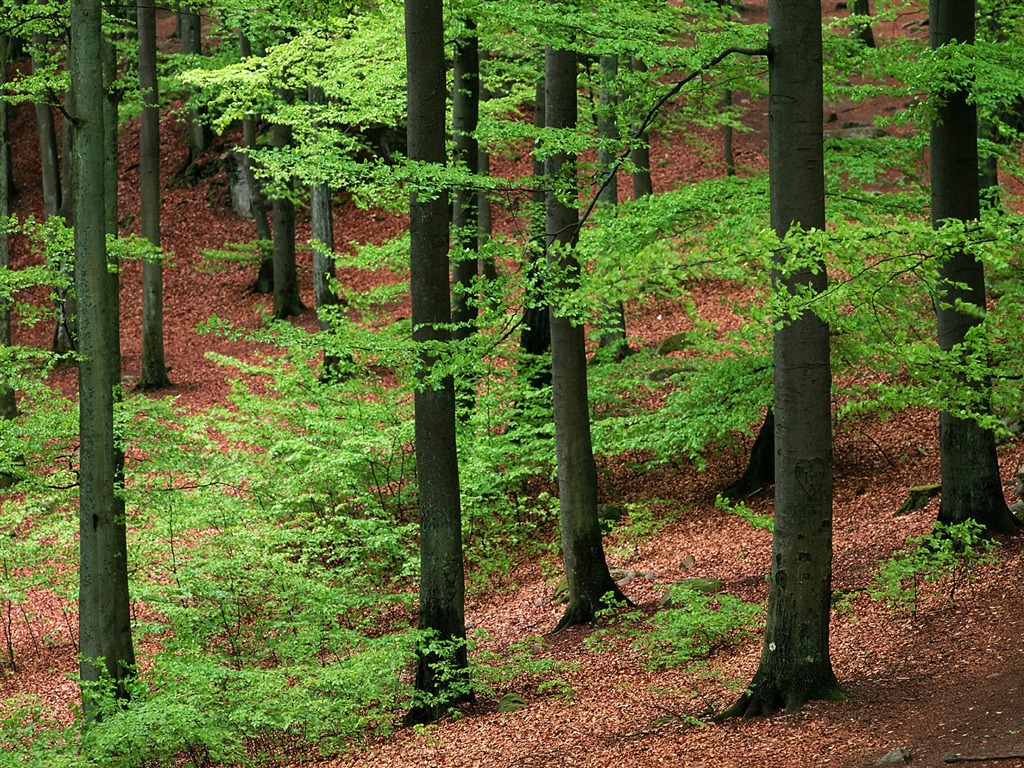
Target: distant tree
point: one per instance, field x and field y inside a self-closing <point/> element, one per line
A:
<point x="971" y="486"/>
<point x="264" y="282"/>
<point x="640" y="153"/>
<point x="154" y="366"/>
<point x="795" y="665"/>
<point x="441" y="669"/>
<point x="105" y="640"/>
<point x="465" y="224"/>
<point x="8" y="409"/>
<point x="190" y="26"/>
<point x="286" y="281"/>
<point x="590" y="584"/>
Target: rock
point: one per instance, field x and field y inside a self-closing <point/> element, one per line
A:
<point x="241" y="194"/>
<point x="677" y="342"/>
<point x="512" y="702"/>
<point x="853" y="131"/>
<point x="663" y="373"/>
<point x="1020" y="482"/>
<point x="705" y="586"/>
<point x="610" y="513"/>
<point x="917" y="497"/>
<point x="687" y="563"/>
<point x="623" y="576"/>
<point x="896" y="756"/>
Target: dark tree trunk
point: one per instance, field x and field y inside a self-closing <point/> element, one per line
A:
<point x="265" y="278"/>
<point x="760" y="471"/>
<point x="191" y="29"/>
<point x="586" y="570"/>
<point x="104" y="611"/>
<point x="795" y="665"/>
<point x="154" y="367"/>
<point x="727" y="135"/>
<point x="485" y="223"/>
<point x="465" y="225"/>
<point x="640" y="154"/>
<point x="112" y="97"/>
<point x="862" y="31"/>
<point x="971" y="486"/>
<point x="613" y="332"/>
<point x="286" y="281"/>
<point x="535" y="338"/>
<point x="8" y="407"/>
<point x="442" y="582"/>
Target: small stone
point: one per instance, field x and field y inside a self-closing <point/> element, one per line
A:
<point x="512" y="702"/>
<point x="687" y="563"/>
<point x="705" y="586"/>
<point x="894" y="756"/>
<point x="610" y="513"/>
<point x="677" y="342"/>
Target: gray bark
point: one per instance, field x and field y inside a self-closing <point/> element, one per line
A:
<point x="8" y="408"/>
<point x="105" y="641"/>
<point x="613" y="333"/>
<point x="586" y="570"/>
<point x="442" y="580"/>
<point x="465" y="224"/>
<point x="154" y="367"/>
<point x="862" y="31"/>
<point x="535" y="337"/>
<point x="265" y="278"/>
<point x="286" y="281"/>
<point x="795" y="666"/>
<point x="640" y="154"/>
<point x="191" y="30"/>
<point x="971" y="486"/>
<point x="112" y="97"/>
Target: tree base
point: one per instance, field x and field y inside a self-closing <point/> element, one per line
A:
<point x="584" y="610"/>
<point x="760" y="470"/>
<point x="765" y="698"/>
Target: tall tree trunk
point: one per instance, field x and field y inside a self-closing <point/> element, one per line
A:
<point x="727" y="136"/>
<point x="286" y="281"/>
<point x="105" y="640"/>
<point x="265" y="277"/>
<point x="971" y="486"/>
<point x="590" y="583"/>
<point x="760" y="471"/>
<point x="795" y="666"/>
<point x="191" y="28"/>
<point x="442" y="580"/>
<point x="8" y="407"/>
<point x="485" y="222"/>
<point x="613" y="332"/>
<point x="154" y="367"/>
<point x="465" y="115"/>
<point x="111" y="160"/>
<point x="535" y="338"/>
<point x="640" y="154"/>
<point x="862" y="30"/>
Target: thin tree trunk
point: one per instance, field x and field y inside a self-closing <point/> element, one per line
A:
<point x="191" y="29"/>
<point x="795" y="666"/>
<point x="154" y="367"/>
<point x="862" y="31"/>
<point x="760" y="471"/>
<point x="485" y="222"/>
<point x="442" y="580"/>
<point x="8" y="405"/>
<point x="640" y="154"/>
<point x="465" y="114"/>
<point x="111" y="160"/>
<point x="590" y="583"/>
<point x="971" y="486"/>
<point x="613" y="332"/>
<point x="727" y="136"/>
<point x="535" y="337"/>
<point x="286" y="281"/>
<point x="265" y="278"/>
<point x="105" y="640"/>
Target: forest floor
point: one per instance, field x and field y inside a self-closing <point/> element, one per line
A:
<point x="943" y="680"/>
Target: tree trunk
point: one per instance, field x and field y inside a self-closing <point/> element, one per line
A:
<point x="191" y="29"/>
<point x="640" y="154"/>
<point x="485" y="222"/>
<point x="442" y="673"/>
<point x="8" y="406"/>
<point x="154" y="367"/>
<point x="590" y="583"/>
<point x="286" y="281"/>
<point x="265" y="278"/>
<point x="760" y="471"/>
<point x="971" y="486"/>
<point x="727" y="136"/>
<point x="465" y="225"/>
<point x="862" y="31"/>
<point x="795" y="665"/>
<point x="105" y="640"/>
<point x="112" y="97"/>
<point x="613" y="332"/>
<point x="535" y="337"/>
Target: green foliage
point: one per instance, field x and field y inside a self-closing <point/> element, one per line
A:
<point x="949" y="554"/>
<point x="741" y="510"/>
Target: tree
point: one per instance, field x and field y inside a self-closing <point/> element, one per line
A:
<point x="465" y="224"/>
<point x="264" y="282"/>
<point x="105" y="640"/>
<point x="8" y="408"/>
<point x="154" y="366"/>
<point x="190" y="25"/>
<point x="590" y="584"/>
<point x="971" y="486"/>
<point x="795" y="665"/>
<point x="442" y="664"/>
<point x="286" y="281"/>
<point x="640" y="151"/>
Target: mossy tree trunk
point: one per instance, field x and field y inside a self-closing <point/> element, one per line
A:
<point x="590" y="584"/>
<point x="795" y="666"/>
<point x="154" y="366"/>
<point x="971" y="486"/>
<point x="104" y="611"/>
<point x="442" y="671"/>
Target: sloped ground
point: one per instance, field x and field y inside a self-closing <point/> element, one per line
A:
<point x="946" y="680"/>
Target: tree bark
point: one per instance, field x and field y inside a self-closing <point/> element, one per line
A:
<point x="613" y="332"/>
<point x="105" y="640"/>
<point x="442" y="581"/>
<point x="265" y="277"/>
<point x="795" y="665"/>
<point x="640" y="154"/>
<point x="154" y="367"/>
<point x="862" y="31"/>
<point x="191" y="29"/>
<point x="590" y="584"/>
<point x="760" y="471"/>
<point x="971" y="486"/>
<point x="8" y="405"/>
<point x="286" y="281"/>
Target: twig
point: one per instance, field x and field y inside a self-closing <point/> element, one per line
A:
<point x="953" y="757"/>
